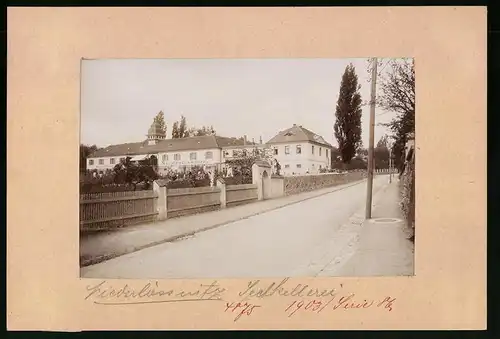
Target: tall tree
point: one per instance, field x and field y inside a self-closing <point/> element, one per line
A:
<point x="381" y="153"/>
<point x="347" y="125"/>
<point x="397" y="94"/>
<point x="160" y="119"/>
<point x="175" y="130"/>
<point x="183" y="129"/>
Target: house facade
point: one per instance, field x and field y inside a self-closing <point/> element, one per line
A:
<point x="300" y="151"/>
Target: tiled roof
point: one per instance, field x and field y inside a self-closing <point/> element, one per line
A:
<point x="298" y="134"/>
<point x="168" y="145"/>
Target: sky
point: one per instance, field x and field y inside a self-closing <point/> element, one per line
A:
<point x="252" y="97"/>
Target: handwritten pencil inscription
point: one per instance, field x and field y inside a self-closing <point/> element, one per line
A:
<point x="106" y="294"/>
<point x="300" y="297"/>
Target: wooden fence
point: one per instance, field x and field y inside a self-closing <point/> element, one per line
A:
<point x="104" y="211"/>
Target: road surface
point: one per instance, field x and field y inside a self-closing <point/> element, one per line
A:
<point x="296" y="240"/>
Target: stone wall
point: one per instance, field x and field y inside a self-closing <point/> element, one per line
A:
<point x="240" y="194"/>
<point x="306" y="183"/>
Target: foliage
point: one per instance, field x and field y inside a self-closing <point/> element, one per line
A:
<point x="179" y="129"/>
<point x="85" y="152"/>
<point x="198" y="132"/>
<point x="160" y="120"/>
<point x="127" y="172"/>
<point x="347" y="125"/>
<point x="397" y="94"/>
<point x="381" y="153"/>
<point x="408" y="192"/>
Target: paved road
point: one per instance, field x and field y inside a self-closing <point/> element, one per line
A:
<point x="289" y="241"/>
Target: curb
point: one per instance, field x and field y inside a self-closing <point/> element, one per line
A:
<point x="102" y="258"/>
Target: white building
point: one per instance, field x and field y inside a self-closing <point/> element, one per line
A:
<point x="177" y="154"/>
<point x="300" y="151"/>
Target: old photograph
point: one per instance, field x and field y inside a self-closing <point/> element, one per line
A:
<point x="247" y="168"/>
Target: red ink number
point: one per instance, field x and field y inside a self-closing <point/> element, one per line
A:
<point x="312" y="306"/>
<point x="242" y="308"/>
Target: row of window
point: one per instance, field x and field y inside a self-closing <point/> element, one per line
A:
<point x="177" y="157"/>
<point x="192" y="156"/>
<point x="298" y="150"/>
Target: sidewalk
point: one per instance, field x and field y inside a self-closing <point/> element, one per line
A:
<point x="383" y="248"/>
<point x="98" y="247"/>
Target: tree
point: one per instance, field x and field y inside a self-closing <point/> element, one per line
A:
<point x="180" y="129"/>
<point x="381" y="153"/>
<point x="130" y="173"/>
<point x="175" y="130"/>
<point x="160" y="119"/>
<point x="198" y="132"/>
<point x="347" y="125"/>
<point x="85" y="151"/>
<point x="397" y="94"/>
<point x="183" y="130"/>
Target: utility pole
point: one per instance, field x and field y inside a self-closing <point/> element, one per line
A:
<point x="371" y="141"/>
<point x="390" y="163"/>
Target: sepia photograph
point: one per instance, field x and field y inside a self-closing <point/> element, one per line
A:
<point x="247" y="168"/>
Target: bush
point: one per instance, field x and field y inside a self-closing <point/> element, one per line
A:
<point x="238" y="180"/>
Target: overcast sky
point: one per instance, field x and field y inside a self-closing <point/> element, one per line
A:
<point x="253" y="97"/>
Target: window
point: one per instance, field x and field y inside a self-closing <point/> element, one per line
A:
<point x="112" y="161"/>
<point x="177" y="157"/>
<point x="299" y="166"/>
<point x="287" y="149"/>
<point x="192" y="156"/>
<point x="287" y="166"/>
<point x="275" y="151"/>
<point x="320" y="151"/>
<point x="101" y="161"/>
<point x="91" y="162"/>
<point x="122" y="159"/>
<point x="209" y="155"/>
<point x="326" y="153"/>
<point x="299" y="149"/>
<point x="244" y="152"/>
<point x="235" y="153"/>
<point x="164" y="158"/>
<point x="313" y="149"/>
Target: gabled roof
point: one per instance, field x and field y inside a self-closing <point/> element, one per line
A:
<point x="298" y="134"/>
<point x="168" y="145"/>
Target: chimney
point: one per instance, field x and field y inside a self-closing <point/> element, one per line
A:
<point x="253" y="141"/>
<point x="260" y="140"/>
<point x="294" y="125"/>
<point x="244" y="139"/>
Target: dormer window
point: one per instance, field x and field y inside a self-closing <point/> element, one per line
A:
<point x="288" y="134"/>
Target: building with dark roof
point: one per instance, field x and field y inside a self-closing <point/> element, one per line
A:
<point x="179" y="153"/>
<point x="301" y="151"/>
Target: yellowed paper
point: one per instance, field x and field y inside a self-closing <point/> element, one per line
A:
<point x="45" y="46"/>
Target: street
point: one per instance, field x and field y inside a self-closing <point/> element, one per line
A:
<point x="296" y="240"/>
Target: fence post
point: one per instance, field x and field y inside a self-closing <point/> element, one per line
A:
<point x="161" y="200"/>
<point x="222" y="185"/>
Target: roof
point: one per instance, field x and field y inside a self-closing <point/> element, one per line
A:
<point x="298" y="134"/>
<point x="168" y="145"/>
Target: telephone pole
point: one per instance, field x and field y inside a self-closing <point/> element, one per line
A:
<point x="371" y="141"/>
<point x="390" y="163"/>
